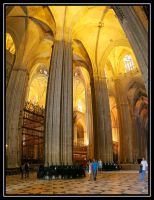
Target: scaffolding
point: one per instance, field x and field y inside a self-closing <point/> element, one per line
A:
<point x="33" y="136"/>
<point x="33" y="133"/>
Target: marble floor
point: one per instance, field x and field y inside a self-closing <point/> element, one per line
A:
<point x="119" y="183"/>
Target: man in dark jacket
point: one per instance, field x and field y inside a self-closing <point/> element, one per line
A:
<point x="26" y="169"/>
<point x="22" y="169"/>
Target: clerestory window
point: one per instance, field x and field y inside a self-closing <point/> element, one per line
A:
<point x="128" y="62"/>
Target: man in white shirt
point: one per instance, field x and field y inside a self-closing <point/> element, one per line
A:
<point x="144" y="167"/>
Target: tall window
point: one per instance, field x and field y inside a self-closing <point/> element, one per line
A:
<point x="10" y="44"/>
<point x="80" y="105"/>
<point x="129" y="64"/>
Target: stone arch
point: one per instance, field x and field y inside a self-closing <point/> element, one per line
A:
<point x="14" y="34"/>
<point x="44" y="26"/>
<point x="135" y="82"/>
<point x="84" y="76"/>
<point x="47" y="27"/>
<point x="111" y="46"/>
<point x="141" y="116"/>
<point x="138" y="102"/>
<point x="85" y="62"/>
<point x="36" y="76"/>
<point x="50" y="25"/>
<point x="84" y="53"/>
<point x="11" y="44"/>
<point x="138" y="36"/>
<point x="10" y="55"/>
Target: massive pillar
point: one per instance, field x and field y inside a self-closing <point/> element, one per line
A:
<point x="10" y="58"/>
<point x="135" y="149"/>
<point x="137" y="36"/>
<point x="103" y="132"/>
<point x="67" y="105"/>
<point x="125" y="124"/>
<point x="15" y="96"/>
<point x="59" y="116"/>
<point x="53" y="110"/>
<point x="75" y="134"/>
<point x="89" y="124"/>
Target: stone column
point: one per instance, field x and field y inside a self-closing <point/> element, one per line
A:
<point x="67" y="105"/>
<point x="103" y="131"/>
<point x="134" y="137"/>
<point x="137" y="36"/>
<point x="10" y="58"/>
<point x="59" y="117"/>
<point x="125" y="124"/>
<point x="53" y="109"/>
<point x="75" y="134"/>
<point x="15" y="96"/>
<point x="89" y="123"/>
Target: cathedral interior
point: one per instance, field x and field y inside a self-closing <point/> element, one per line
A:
<point x="76" y="80"/>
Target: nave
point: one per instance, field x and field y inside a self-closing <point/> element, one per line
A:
<point x="118" y="183"/>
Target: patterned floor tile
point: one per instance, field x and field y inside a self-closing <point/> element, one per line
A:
<point x="121" y="182"/>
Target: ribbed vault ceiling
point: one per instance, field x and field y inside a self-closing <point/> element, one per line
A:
<point x="97" y="36"/>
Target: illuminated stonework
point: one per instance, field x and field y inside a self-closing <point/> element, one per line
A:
<point x="37" y="90"/>
<point x="128" y="62"/>
<point x="10" y="44"/>
<point x="71" y="60"/>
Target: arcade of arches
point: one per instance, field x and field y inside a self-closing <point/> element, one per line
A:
<point x="76" y="84"/>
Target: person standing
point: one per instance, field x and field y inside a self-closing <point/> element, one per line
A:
<point x="100" y="165"/>
<point x="22" y="169"/>
<point x="84" y="166"/>
<point x="144" y="167"/>
<point x="90" y="170"/>
<point x="26" y="170"/>
<point x="94" y="169"/>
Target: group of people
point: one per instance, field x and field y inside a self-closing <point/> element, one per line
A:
<point x="91" y="168"/>
<point x="24" y="169"/>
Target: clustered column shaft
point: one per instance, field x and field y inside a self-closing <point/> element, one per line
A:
<point x="58" y="134"/>
<point x="15" y="96"/>
<point x="103" y="133"/>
